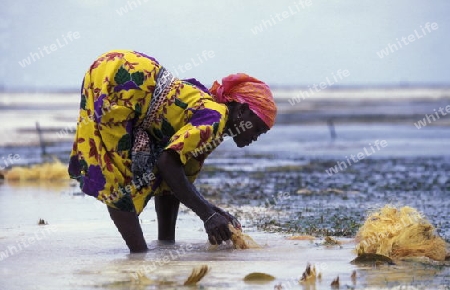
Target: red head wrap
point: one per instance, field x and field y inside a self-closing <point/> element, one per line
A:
<point x="243" y="88"/>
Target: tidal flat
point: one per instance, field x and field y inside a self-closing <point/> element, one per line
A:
<point x="52" y="236"/>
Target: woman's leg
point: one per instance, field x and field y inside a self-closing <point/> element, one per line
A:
<point x="167" y="212"/>
<point x="128" y="225"/>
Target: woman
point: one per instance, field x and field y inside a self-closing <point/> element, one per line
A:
<point x="142" y="133"/>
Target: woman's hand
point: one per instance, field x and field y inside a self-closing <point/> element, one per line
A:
<point x="216" y="227"/>
<point x="171" y="169"/>
<point x="233" y="220"/>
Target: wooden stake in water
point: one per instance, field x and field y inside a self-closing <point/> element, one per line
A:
<point x="331" y="127"/>
<point x="41" y="139"/>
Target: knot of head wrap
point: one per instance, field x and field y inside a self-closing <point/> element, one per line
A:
<point x="243" y="88"/>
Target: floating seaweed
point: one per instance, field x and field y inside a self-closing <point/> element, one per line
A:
<point x="197" y="274"/>
<point x="370" y="258"/>
<point x="143" y="281"/>
<point x="258" y="277"/>
<point x="353" y="277"/>
<point x="309" y="275"/>
<point x="278" y="286"/>
<point x="50" y="171"/>
<point x="335" y="283"/>
<point x="329" y="241"/>
<point x="302" y="238"/>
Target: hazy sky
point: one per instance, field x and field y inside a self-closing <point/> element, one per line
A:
<point x="281" y="42"/>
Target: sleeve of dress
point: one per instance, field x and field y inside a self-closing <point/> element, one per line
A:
<point x="200" y="135"/>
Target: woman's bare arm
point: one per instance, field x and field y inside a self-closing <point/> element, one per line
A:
<point x="172" y="171"/>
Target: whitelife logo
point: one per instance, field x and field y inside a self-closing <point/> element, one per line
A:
<point x="278" y="17"/>
<point x="194" y="62"/>
<point x="432" y="117"/>
<point x="391" y="48"/>
<point x="316" y="88"/>
<point x="342" y="165"/>
<point x="130" y="6"/>
<point x="47" y="50"/>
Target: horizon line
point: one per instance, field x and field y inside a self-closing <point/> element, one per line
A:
<point x="39" y="89"/>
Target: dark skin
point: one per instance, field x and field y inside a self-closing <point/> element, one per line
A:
<point x="172" y="171"/>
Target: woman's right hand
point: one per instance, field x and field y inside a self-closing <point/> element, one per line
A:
<point x="233" y="220"/>
<point x="216" y="227"/>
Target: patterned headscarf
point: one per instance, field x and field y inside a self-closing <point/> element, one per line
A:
<point x="243" y="88"/>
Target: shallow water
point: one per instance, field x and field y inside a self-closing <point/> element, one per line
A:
<point x="81" y="249"/>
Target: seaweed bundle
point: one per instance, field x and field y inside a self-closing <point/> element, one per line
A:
<point x="399" y="233"/>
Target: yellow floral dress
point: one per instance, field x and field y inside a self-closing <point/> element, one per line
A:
<point x="131" y="110"/>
